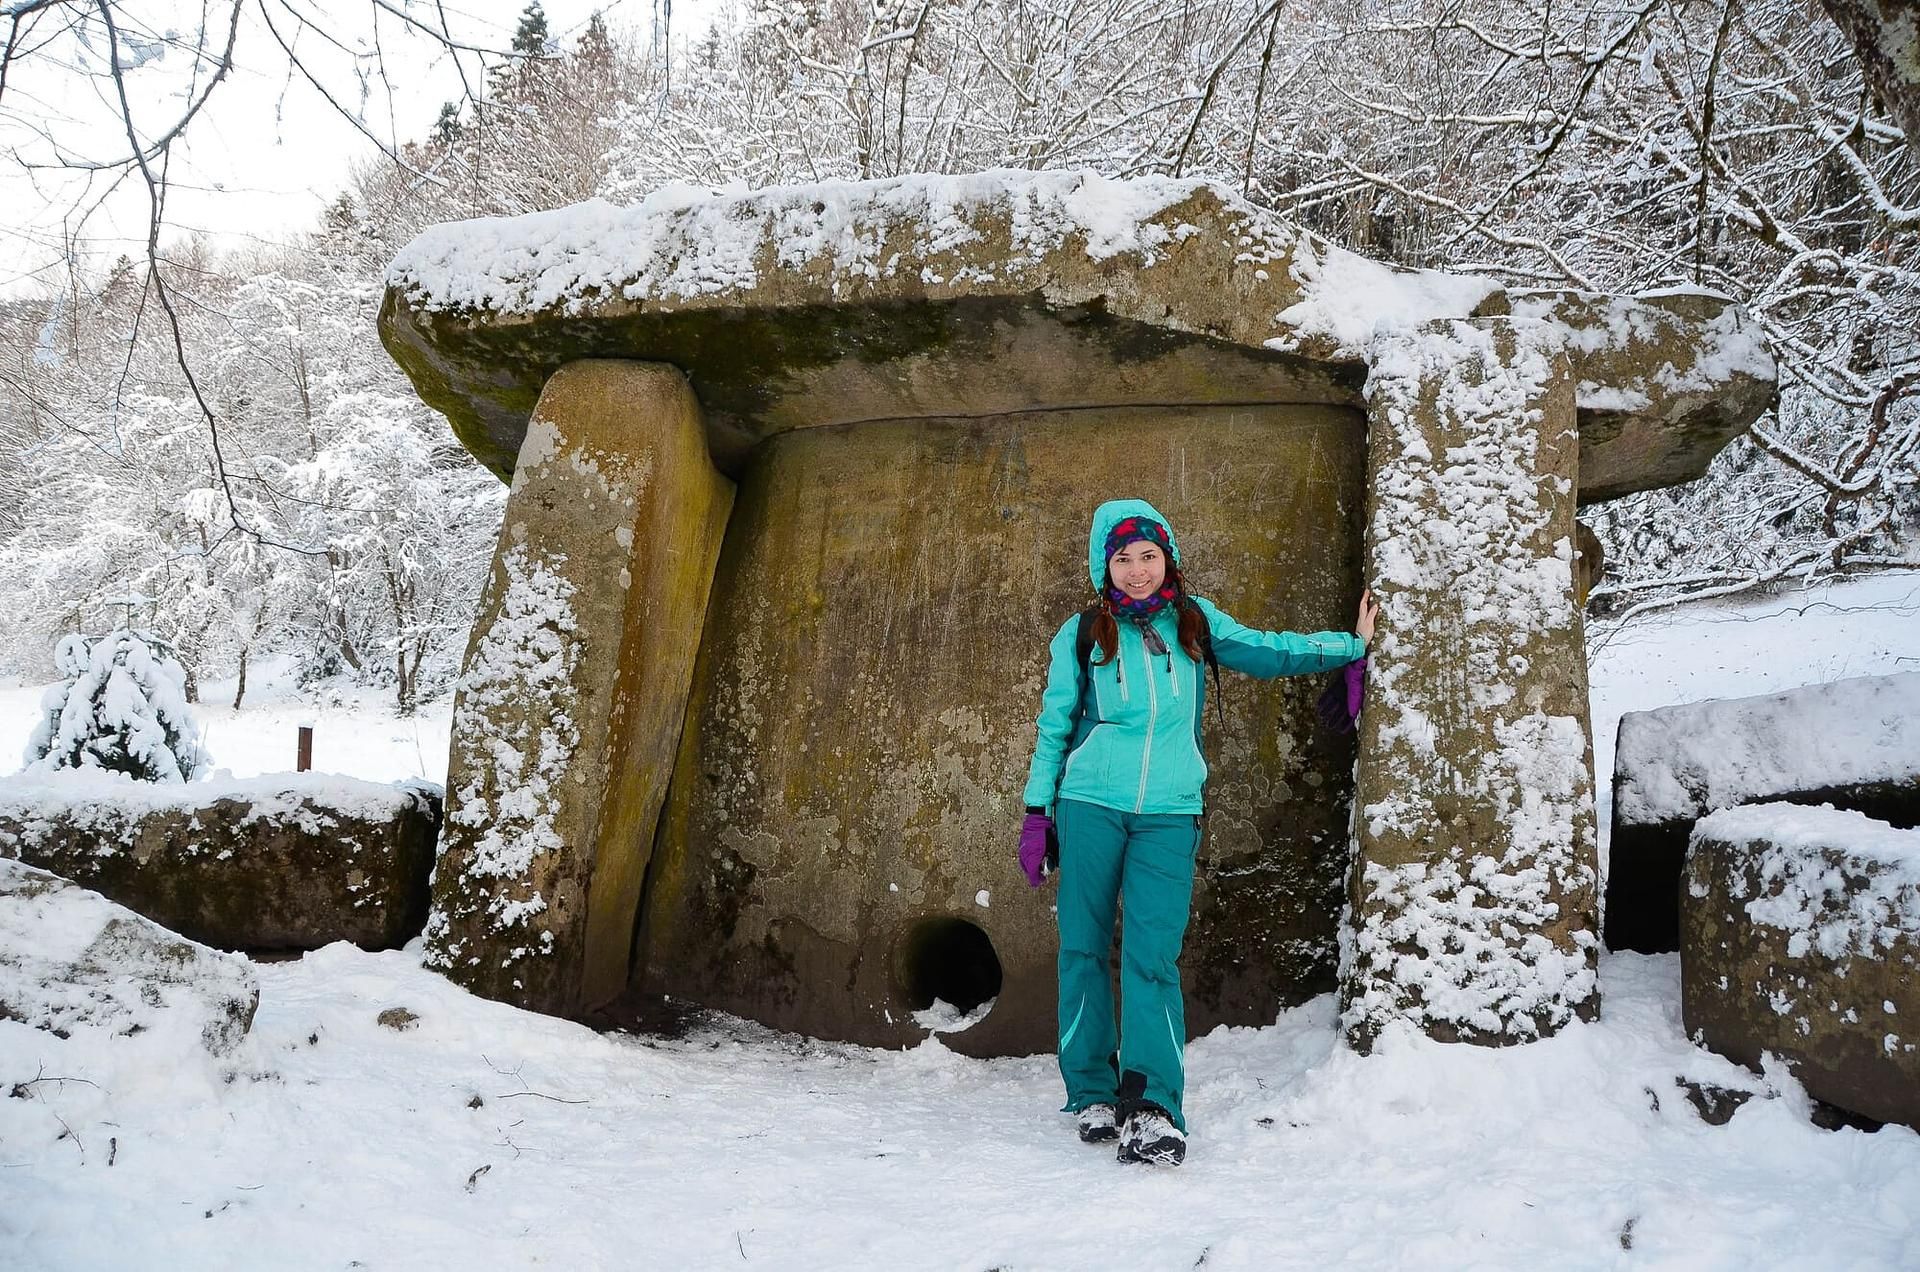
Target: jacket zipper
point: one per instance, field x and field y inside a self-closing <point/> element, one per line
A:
<point x="1146" y="751"/>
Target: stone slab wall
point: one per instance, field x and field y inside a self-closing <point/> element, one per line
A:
<point x="864" y="713"/>
<point x="1473" y="902"/>
<point x="572" y="698"/>
<point x="1800" y="936"/>
<point x="271" y="869"/>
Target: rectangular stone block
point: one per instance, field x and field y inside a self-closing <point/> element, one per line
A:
<point x="1800" y="937"/>
<point x="282" y="862"/>
<point x="1850" y="743"/>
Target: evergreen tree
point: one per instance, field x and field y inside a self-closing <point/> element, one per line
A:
<point x="122" y="708"/>
<point x="446" y="130"/>
<point x="531" y="38"/>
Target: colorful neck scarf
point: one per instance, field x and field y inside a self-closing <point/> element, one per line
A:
<point x="1146" y="607"/>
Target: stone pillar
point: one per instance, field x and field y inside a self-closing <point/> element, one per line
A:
<point x="1472" y="907"/>
<point x="575" y="687"/>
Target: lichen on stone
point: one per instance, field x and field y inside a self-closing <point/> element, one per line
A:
<point x="519" y="741"/>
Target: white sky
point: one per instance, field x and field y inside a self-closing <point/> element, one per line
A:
<point x="268" y="152"/>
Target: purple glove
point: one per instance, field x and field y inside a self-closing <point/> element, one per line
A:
<point x="1036" y="837"/>
<point x="1339" y="706"/>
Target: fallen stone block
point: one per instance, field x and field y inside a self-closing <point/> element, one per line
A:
<point x="1800" y="936"/>
<point x="286" y="861"/>
<point x="1854" y="744"/>
<point x="70" y="960"/>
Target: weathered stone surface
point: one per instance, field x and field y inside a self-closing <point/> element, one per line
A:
<point x="1590" y="562"/>
<point x="1800" y="936"/>
<point x="849" y="783"/>
<point x="572" y="699"/>
<point x="1886" y="34"/>
<point x="287" y="861"/>
<point x="1662" y="382"/>
<point x="931" y="297"/>
<point x="70" y="960"/>
<point x="1854" y="744"/>
<point x="1474" y="892"/>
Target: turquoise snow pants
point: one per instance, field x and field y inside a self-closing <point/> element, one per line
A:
<point x="1106" y="855"/>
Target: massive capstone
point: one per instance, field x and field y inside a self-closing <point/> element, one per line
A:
<point x="919" y="389"/>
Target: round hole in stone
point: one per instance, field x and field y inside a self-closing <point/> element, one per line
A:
<point x="950" y="960"/>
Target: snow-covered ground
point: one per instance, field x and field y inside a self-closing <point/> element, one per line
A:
<point x="485" y="1137"/>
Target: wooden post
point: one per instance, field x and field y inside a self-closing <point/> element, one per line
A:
<point x="305" y="761"/>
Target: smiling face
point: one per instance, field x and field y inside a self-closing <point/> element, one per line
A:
<point x="1138" y="569"/>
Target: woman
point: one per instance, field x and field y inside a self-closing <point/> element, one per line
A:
<point x="1118" y="768"/>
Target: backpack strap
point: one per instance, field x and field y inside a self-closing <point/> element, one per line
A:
<point x="1083" y="654"/>
<point x="1083" y="639"/>
<point x="1213" y="665"/>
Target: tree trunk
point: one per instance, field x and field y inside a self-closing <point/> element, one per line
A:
<point x="241" y="692"/>
<point x="405" y="677"/>
<point x="1889" y="60"/>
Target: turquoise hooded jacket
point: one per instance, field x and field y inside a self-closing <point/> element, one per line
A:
<point x="1128" y="736"/>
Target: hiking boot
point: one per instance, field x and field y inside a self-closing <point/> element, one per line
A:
<point x="1098" y="1123"/>
<point x="1149" y="1135"/>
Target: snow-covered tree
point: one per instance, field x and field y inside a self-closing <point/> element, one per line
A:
<point x="121" y="708"/>
<point x="530" y="37"/>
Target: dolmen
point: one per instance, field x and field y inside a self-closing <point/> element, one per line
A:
<point x="799" y="480"/>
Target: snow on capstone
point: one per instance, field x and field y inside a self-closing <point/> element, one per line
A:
<point x="1680" y="762"/>
<point x="1351" y="299"/>
<point x="682" y="243"/>
<point x="1726" y="347"/>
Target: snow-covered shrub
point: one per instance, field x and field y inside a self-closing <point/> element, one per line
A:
<point x="122" y="707"/>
